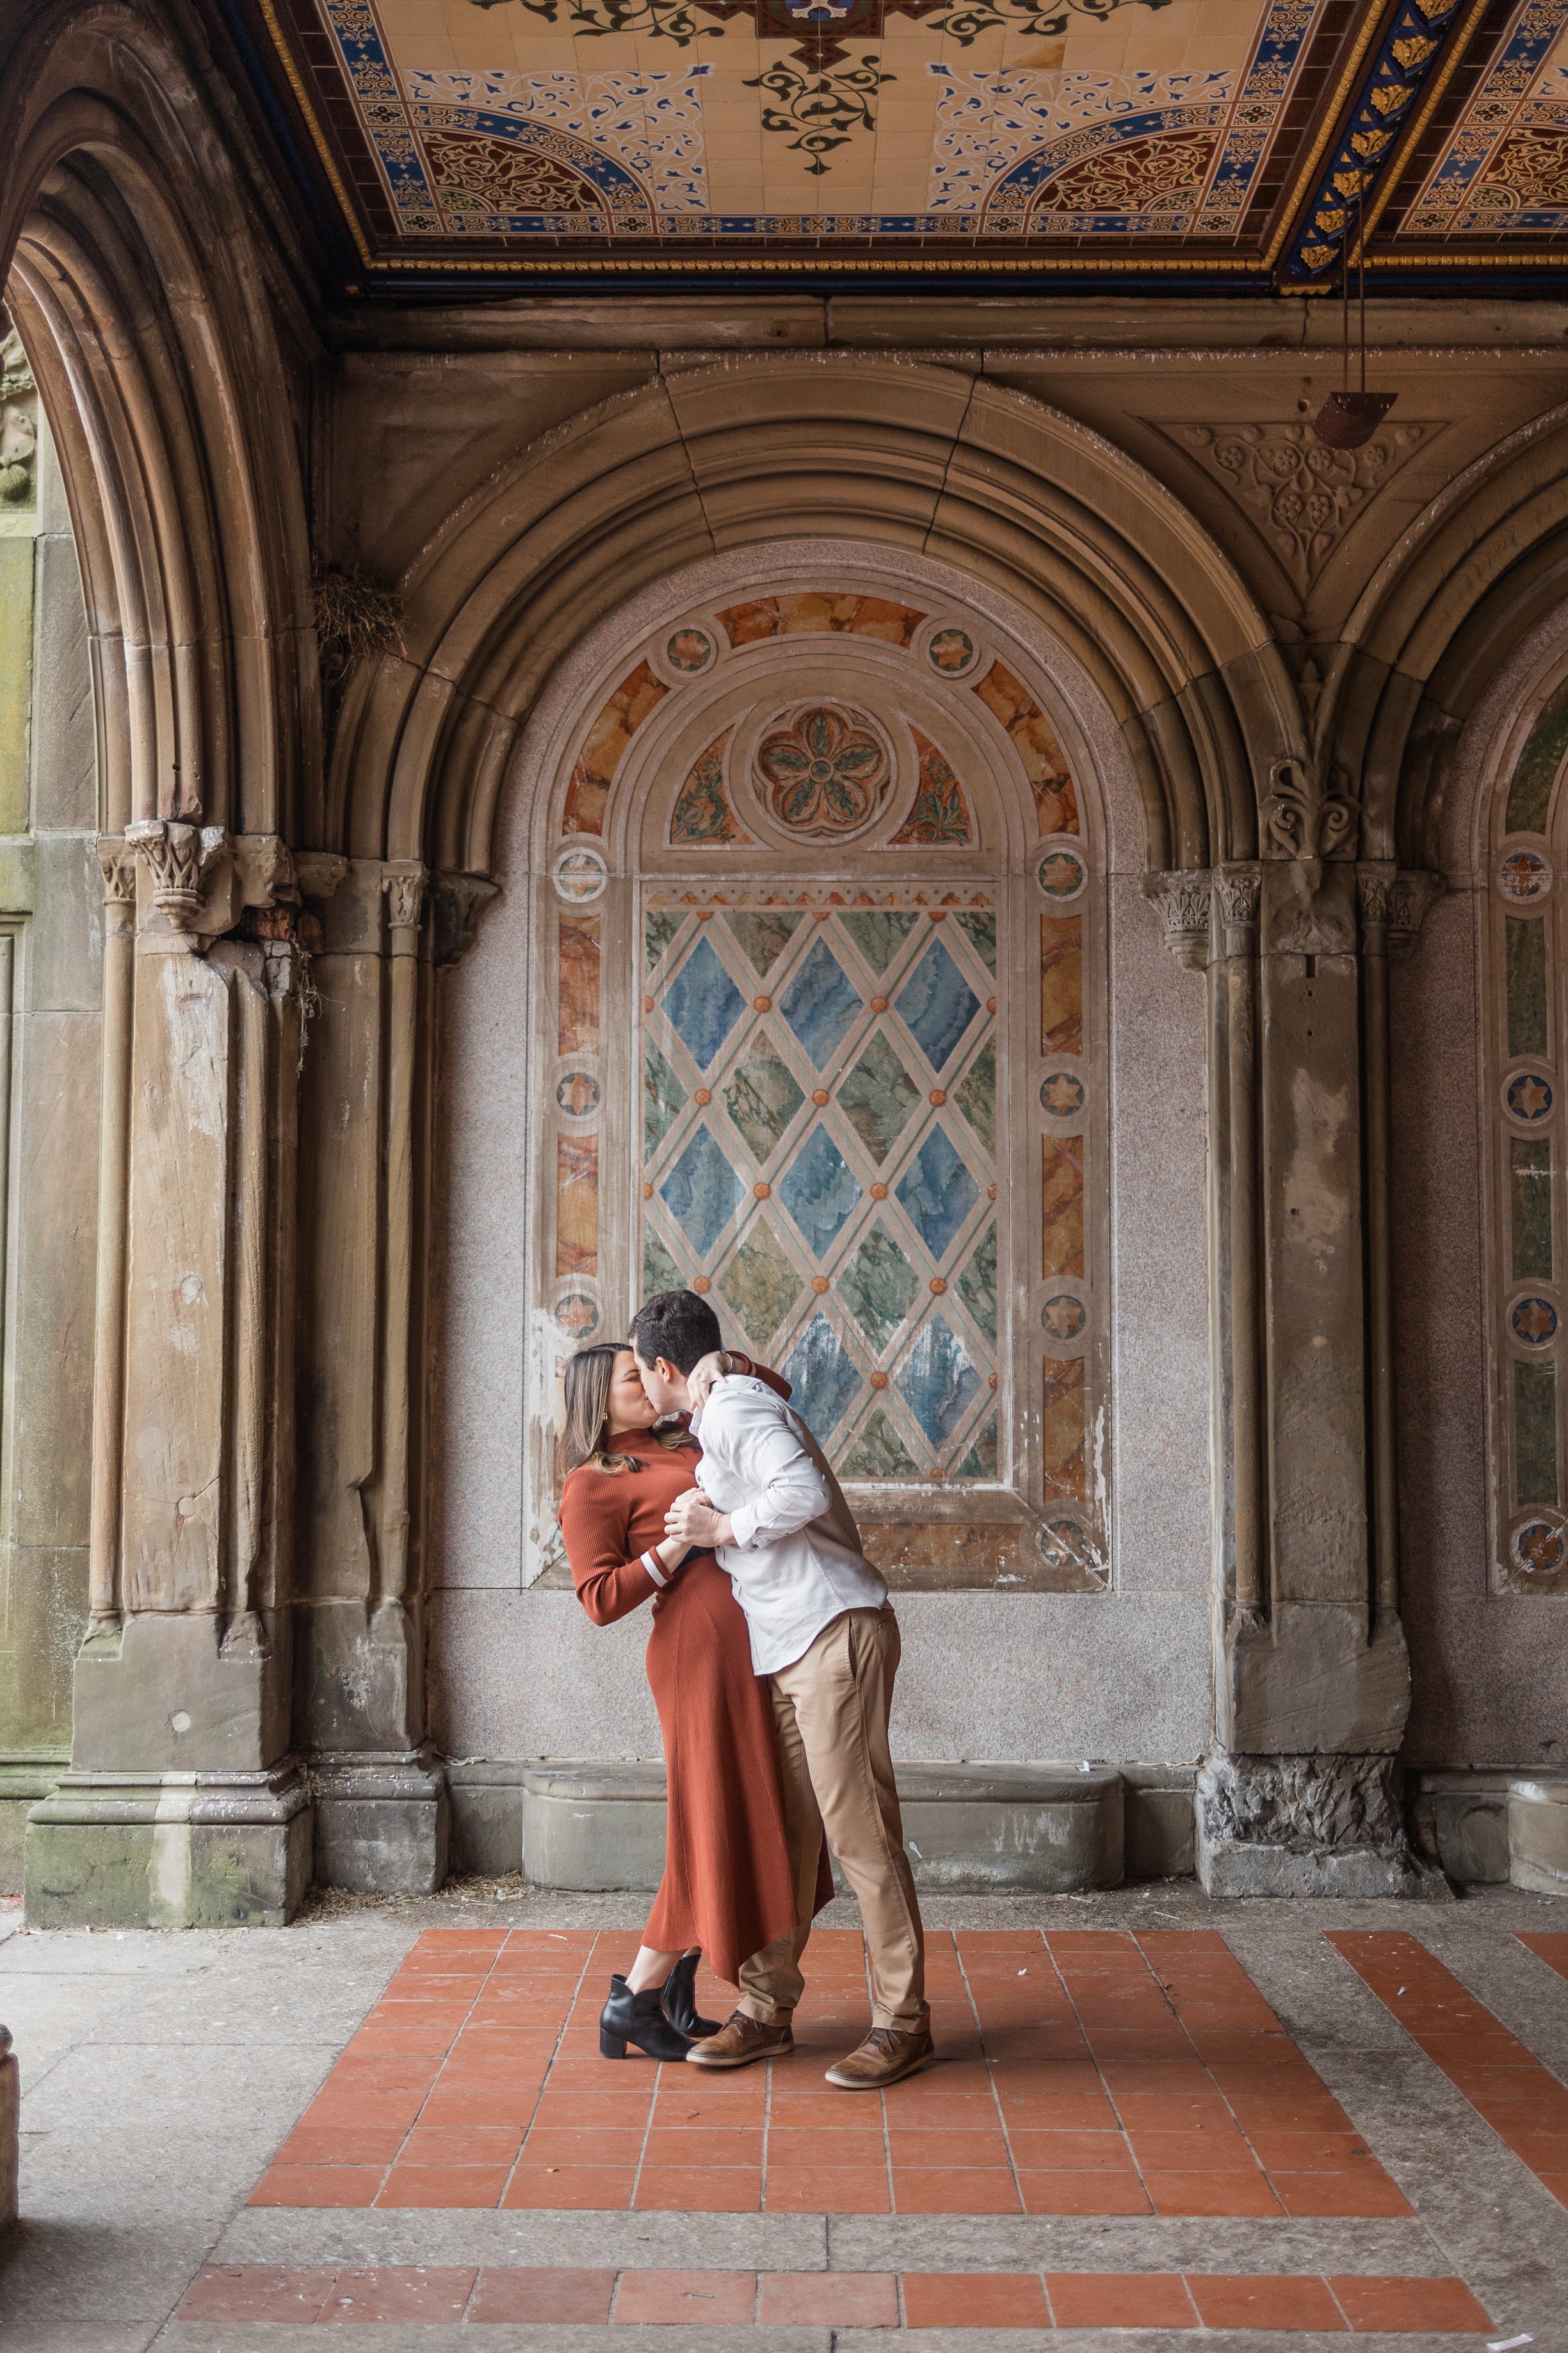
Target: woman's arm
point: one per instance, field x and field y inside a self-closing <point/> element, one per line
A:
<point x="609" y="1584"/>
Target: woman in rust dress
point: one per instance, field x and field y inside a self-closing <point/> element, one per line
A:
<point x="728" y="1888"/>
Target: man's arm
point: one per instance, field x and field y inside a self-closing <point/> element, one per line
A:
<point x="755" y="1443"/>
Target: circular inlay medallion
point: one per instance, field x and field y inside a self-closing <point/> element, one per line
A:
<point x="1065" y="1543"/>
<point x="1064" y="1316"/>
<point x="952" y="651"/>
<point x="1532" y="1321"/>
<point x="1527" y="1097"/>
<point x="1538" y="1546"/>
<point x="580" y="875"/>
<point x="577" y="1095"/>
<point x="577" y="1315"/>
<point x="1061" y="1095"/>
<point x="690" y="651"/>
<point x="1061" y="872"/>
<point x="1524" y="875"/>
<point x="823" y="771"/>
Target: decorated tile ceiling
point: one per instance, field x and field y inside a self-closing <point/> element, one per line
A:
<point x="1209" y="144"/>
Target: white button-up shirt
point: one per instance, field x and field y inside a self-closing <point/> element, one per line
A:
<point x="795" y="1562"/>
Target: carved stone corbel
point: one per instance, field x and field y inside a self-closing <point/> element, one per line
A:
<point x="116" y="861"/>
<point x="1182" y="899"/>
<point x="319" y="871"/>
<point x="1239" y="889"/>
<point x="457" y="901"/>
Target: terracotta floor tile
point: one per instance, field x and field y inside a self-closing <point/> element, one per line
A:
<point x="708" y="2298"/>
<point x="1311" y="2113"/>
<point x="444" y="2185"/>
<point x="318" y="2185"/>
<point x="974" y="2300"/>
<point x="1159" y="2112"/>
<point x="519" y="2295"/>
<point x="1331" y="2152"/>
<point x="345" y="2145"/>
<point x="1072" y="2113"/>
<point x="944" y="2145"/>
<point x="1080" y="2152"/>
<point x="418" y="2041"/>
<point x="827" y="2190"/>
<point x="702" y="2145"/>
<point x="1258" y="2302"/>
<point x="1212" y="2149"/>
<point x="599" y="2145"/>
<point x="1558" y="2185"/>
<point x="462" y="2145"/>
<point x="367" y="2071"/>
<point x="572" y="2188"/>
<point x="1119" y="2300"/>
<point x="468" y="2106"/>
<point x="1409" y="2303"/>
<point x="1368" y="2192"/>
<point x="347" y="2106"/>
<point x="581" y="2112"/>
<point x="968" y="2189"/>
<point x="1083" y="2193"/>
<point x="434" y="2292"/>
<point x="254" y="2292"/>
<point x="695" y="2190"/>
<point x="827" y="2300"/>
<point x="1215" y="2193"/>
<point x="794" y="2145"/>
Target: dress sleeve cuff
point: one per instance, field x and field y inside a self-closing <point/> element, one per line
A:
<point x="654" y="1568"/>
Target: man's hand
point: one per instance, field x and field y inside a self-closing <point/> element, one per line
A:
<point x="692" y="1518"/>
<point x="700" y="1380"/>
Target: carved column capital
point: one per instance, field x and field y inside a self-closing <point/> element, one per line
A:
<point x="458" y="901"/>
<point x="1375" y="882"/>
<point x="1411" y="895"/>
<point x="1238" y="888"/>
<point x="182" y="862"/>
<point x="1181" y="900"/>
<point x="116" y="861"/>
<point x="403" y="880"/>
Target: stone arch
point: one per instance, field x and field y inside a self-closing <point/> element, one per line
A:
<point x="1015" y="494"/>
<point x="139" y="293"/>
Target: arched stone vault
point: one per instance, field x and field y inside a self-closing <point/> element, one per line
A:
<point x="1009" y="492"/>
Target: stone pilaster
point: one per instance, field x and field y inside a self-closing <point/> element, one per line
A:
<point x="1312" y="1678"/>
<point x="381" y="1798"/>
<point x="184" y="1803"/>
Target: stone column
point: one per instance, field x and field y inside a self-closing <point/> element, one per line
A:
<point x="381" y="1795"/>
<point x="1312" y="1682"/>
<point x="183" y="1804"/>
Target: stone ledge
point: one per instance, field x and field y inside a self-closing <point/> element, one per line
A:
<point x="597" y="1825"/>
<point x="1538" y="1832"/>
<point x="10" y="2140"/>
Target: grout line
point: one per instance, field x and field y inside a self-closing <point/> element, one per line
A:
<point x="1175" y="2008"/>
<point x="549" y="2065"/>
<point x="647" y="2122"/>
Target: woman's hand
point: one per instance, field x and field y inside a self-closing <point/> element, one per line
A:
<point x="692" y="1517"/>
<point x="671" y="1552"/>
<point x="708" y="1369"/>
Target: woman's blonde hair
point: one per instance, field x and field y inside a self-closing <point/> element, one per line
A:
<point x="588" y="1375"/>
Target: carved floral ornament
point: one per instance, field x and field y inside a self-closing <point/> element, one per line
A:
<point x="1304" y="495"/>
<point x="824" y="771"/>
<point x="1394" y="903"/>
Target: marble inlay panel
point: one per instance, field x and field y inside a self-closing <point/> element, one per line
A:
<point x="703" y="1004"/>
<point x="702" y="1191"/>
<point x="820" y="1004"/>
<point x="576" y="1205"/>
<point x="1061" y="984"/>
<point x="878" y="1287"/>
<point x="820" y="1191"/>
<point x="588" y="789"/>
<point x="811" y="610"/>
<point x="938" y="1381"/>
<point x="941" y="813"/>
<point x="878" y="1096"/>
<point x="760" y="1284"/>
<point x="1061" y="1205"/>
<point x="937" y="1005"/>
<point x="823" y="1375"/>
<point x="937" y="1193"/>
<point x="1062" y="1428"/>
<point x="702" y="812"/>
<point x="762" y="1099"/>
<point x="1029" y="732"/>
<point x="577" y="945"/>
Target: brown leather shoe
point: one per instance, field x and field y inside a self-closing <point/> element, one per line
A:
<point x="887" y="2056"/>
<point x="741" y="2039"/>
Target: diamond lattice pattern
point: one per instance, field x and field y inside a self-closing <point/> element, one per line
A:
<point x="822" y="1157"/>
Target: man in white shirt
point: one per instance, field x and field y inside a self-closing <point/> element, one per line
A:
<point x="824" y="1633"/>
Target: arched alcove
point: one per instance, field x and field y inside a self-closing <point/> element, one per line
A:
<point x="732" y="1034"/>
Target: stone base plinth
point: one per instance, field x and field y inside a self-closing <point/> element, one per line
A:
<point x="1458" y="1817"/>
<point x="22" y="1781"/>
<point x="168" y="1851"/>
<point x="968" y="1829"/>
<point x="1308" y="1825"/>
<point x="382" y="1822"/>
<point x="1538" y="1834"/>
<point x="486" y="1796"/>
<point x="10" y="2142"/>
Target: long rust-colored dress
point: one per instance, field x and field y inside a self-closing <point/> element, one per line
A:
<point x="727" y="1882"/>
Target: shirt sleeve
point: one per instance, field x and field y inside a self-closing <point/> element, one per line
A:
<point x="784" y="1489"/>
<point x="609" y="1584"/>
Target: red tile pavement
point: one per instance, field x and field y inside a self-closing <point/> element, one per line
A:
<point x="1522" y="2100"/>
<point x="1089" y="2072"/>
<point x="1551" y="1947"/>
<point x="839" y="2299"/>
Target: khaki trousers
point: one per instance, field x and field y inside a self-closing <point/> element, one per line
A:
<point x="831" y="1709"/>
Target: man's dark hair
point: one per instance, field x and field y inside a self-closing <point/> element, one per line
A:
<point x="678" y="1325"/>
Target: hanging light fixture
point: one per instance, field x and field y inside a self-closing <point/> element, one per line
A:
<point x="1347" y="419"/>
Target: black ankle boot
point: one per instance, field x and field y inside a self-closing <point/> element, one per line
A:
<point x="678" y="2000"/>
<point x="637" y="2018"/>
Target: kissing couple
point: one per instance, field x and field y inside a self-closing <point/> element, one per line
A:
<point x="694" y="1486"/>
